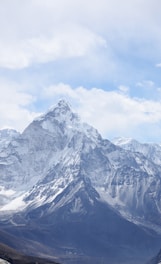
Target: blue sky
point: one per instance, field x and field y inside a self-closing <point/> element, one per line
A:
<point x="103" y="57"/>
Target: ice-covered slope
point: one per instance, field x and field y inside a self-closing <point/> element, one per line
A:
<point x="6" y="136"/>
<point x="57" y="150"/>
<point x="151" y="151"/>
<point x="60" y="172"/>
<point x="55" y="138"/>
<point x="44" y="142"/>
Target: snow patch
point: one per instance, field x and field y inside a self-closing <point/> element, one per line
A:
<point x="121" y="141"/>
<point x="16" y="204"/>
<point x="6" y="192"/>
<point x="2" y="261"/>
<point x="77" y="206"/>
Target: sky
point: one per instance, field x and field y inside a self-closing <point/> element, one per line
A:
<point x="102" y="56"/>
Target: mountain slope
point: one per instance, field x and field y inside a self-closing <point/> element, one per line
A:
<point x="79" y="196"/>
<point x="96" y="234"/>
<point x="151" y="151"/>
<point x="9" y="255"/>
<point x="155" y="260"/>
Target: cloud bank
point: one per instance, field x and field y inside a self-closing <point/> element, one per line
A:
<point x="14" y="103"/>
<point x="113" y="113"/>
<point x="43" y="31"/>
<point x="52" y="49"/>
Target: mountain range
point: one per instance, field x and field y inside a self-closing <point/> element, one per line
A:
<point x="69" y="194"/>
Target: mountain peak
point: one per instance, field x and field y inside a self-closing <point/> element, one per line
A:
<point x="61" y="111"/>
<point x="63" y="104"/>
<point x="62" y="107"/>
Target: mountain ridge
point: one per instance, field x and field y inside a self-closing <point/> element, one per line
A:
<point x="68" y="176"/>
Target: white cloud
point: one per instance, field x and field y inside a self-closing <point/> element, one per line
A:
<point x="112" y="113"/>
<point x="146" y="84"/>
<point x="14" y="104"/>
<point x="70" y="41"/>
<point x="158" y="65"/>
<point x="123" y="88"/>
<point x="107" y="44"/>
<point x="148" y="89"/>
<point x="44" y="30"/>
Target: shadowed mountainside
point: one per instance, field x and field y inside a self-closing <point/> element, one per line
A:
<point x="12" y="256"/>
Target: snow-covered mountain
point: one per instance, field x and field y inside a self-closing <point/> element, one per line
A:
<point x="57" y="149"/>
<point x="61" y="175"/>
<point x="151" y="151"/>
<point x="54" y="138"/>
